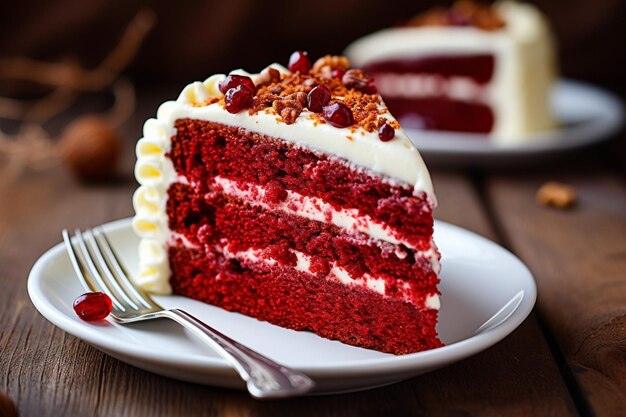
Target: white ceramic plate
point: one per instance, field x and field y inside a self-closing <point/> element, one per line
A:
<point x="480" y="280"/>
<point x="586" y="114"/>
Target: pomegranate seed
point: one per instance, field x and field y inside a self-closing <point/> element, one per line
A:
<point x="338" y="115"/>
<point x="386" y="132"/>
<point x="338" y="73"/>
<point x="234" y="80"/>
<point x="238" y="98"/>
<point x="317" y="98"/>
<point x="299" y="61"/>
<point x="93" y="306"/>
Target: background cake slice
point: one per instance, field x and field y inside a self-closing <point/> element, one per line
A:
<point x="292" y="196"/>
<point x="470" y="68"/>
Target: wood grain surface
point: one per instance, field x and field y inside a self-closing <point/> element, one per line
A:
<point x="577" y="257"/>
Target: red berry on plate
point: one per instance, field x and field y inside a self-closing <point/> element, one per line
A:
<point x="317" y="98"/>
<point x="299" y="61"/>
<point x="93" y="306"/>
<point x="235" y="80"/>
<point x="386" y="132"/>
<point x="338" y="115"/>
<point x="237" y="99"/>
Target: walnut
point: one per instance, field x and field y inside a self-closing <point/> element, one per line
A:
<point x="332" y="61"/>
<point x="289" y="115"/>
<point x="326" y="72"/>
<point x="276" y="89"/>
<point x="91" y="148"/>
<point x="7" y="408"/>
<point x="556" y="194"/>
<point x="300" y="97"/>
<point x="290" y="107"/>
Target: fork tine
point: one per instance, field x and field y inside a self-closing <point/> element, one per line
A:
<point x="118" y="271"/>
<point x="106" y="272"/>
<point x="91" y="271"/>
<point x="79" y="267"/>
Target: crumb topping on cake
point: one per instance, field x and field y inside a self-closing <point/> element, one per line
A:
<point x="330" y="90"/>
<point x="462" y="13"/>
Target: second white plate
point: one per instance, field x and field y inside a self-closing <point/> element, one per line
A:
<point x="486" y="293"/>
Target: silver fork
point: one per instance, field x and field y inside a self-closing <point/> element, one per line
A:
<point x="99" y="269"/>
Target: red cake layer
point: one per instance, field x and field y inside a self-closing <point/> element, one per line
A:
<point x="302" y="301"/>
<point x="478" y="67"/>
<point x="212" y="219"/>
<point x="201" y="150"/>
<point x="440" y="113"/>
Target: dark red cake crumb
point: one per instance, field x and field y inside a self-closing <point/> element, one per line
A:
<point x="275" y="192"/>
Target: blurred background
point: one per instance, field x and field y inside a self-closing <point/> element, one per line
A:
<point x="194" y="38"/>
<point x="189" y="40"/>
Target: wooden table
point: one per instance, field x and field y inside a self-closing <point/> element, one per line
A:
<point x="567" y="359"/>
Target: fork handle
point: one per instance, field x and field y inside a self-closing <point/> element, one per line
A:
<point x="264" y="377"/>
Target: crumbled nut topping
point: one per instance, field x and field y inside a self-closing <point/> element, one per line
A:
<point x="331" y="61"/>
<point x="290" y="107"/>
<point x="556" y="194"/>
<point x="286" y="94"/>
<point x="462" y="13"/>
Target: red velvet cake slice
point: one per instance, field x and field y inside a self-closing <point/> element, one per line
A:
<point x="292" y="196"/>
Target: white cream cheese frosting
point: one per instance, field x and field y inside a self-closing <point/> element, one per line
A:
<point x="519" y="92"/>
<point x="395" y="160"/>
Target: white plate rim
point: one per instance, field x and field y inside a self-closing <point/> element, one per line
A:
<point x="384" y="365"/>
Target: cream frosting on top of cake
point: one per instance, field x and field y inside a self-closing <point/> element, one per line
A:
<point x="396" y="160"/>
